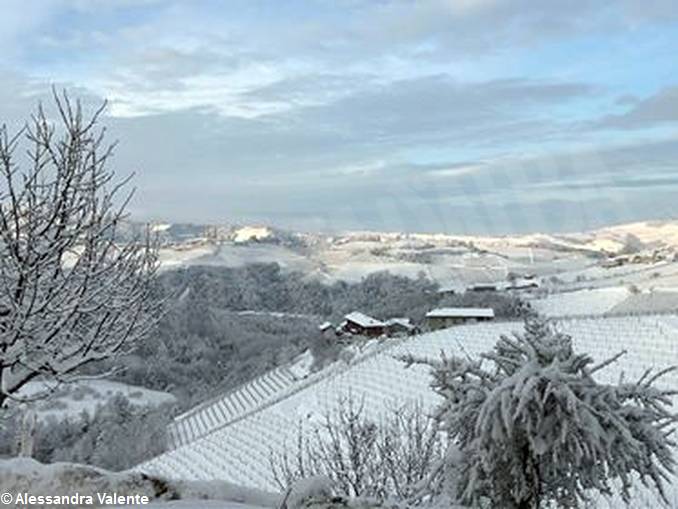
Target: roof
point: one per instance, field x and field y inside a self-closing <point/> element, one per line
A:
<point x="404" y="322"/>
<point x="363" y="320"/>
<point x="461" y="313"/>
<point x="451" y="288"/>
<point x="325" y="325"/>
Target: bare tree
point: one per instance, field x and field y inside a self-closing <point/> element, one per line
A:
<point x="71" y="291"/>
<point x="362" y="457"/>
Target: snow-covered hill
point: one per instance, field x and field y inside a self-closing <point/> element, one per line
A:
<point x="581" y="302"/>
<point x="579" y="259"/>
<point x="238" y="450"/>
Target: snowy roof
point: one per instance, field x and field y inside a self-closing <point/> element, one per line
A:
<point x="404" y="321"/>
<point x="325" y="325"/>
<point x="363" y="320"/>
<point x="461" y="313"/>
<point x="450" y="288"/>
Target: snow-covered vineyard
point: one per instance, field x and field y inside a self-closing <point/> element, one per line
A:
<point x="204" y="418"/>
<point x="232" y="438"/>
<point x="611" y="301"/>
<point x="583" y="302"/>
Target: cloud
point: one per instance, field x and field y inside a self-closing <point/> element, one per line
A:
<point x="157" y="56"/>
<point x="660" y="108"/>
<point x="438" y="109"/>
<point x="441" y="29"/>
<point x="198" y="165"/>
<point x="435" y="115"/>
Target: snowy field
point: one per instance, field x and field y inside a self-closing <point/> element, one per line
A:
<point x="70" y="400"/>
<point x="581" y="302"/>
<point x="22" y="475"/>
<point x="615" y="300"/>
<point x="239" y="451"/>
<point x="352" y="255"/>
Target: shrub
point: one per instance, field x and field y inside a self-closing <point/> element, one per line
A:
<point x="364" y="457"/>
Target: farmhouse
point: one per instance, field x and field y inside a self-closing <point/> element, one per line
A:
<point x="442" y="318"/>
<point x="400" y="327"/>
<point x="325" y="326"/>
<point x="359" y="323"/>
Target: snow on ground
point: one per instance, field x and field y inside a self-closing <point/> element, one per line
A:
<point x="265" y="390"/>
<point x="582" y="302"/>
<point x="445" y="258"/>
<point x="70" y="400"/>
<point x="352" y="256"/>
<point x="274" y="314"/>
<point x="648" y="232"/>
<point x="596" y="276"/>
<point x="249" y="233"/>
<point x="651" y="301"/>
<point x="173" y="257"/>
<point x="240" y="451"/>
<point x="25" y="475"/>
<point x="301" y="366"/>
<point x="228" y="254"/>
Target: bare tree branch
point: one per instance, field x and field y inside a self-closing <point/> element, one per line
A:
<point x="72" y="291"/>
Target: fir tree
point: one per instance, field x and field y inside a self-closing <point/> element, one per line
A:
<point x="532" y="427"/>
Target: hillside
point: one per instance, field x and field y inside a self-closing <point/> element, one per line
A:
<point x="237" y="448"/>
<point x="448" y="259"/>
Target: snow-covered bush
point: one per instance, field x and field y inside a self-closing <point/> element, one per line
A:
<point x="117" y="436"/>
<point x="531" y="426"/>
<point x="21" y="475"/>
<point x="317" y="488"/>
<point x="325" y="349"/>
<point x="362" y="457"/>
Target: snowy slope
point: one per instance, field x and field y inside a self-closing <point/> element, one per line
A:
<point x="652" y="301"/>
<point x="255" y="395"/>
<point x="21" y="475"/>
<point x="576" y="259"/>
<point x="581" y="302"/>
<point x="70" y="400"/>
<point x="240" y="451"/>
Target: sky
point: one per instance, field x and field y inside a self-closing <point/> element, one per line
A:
<point x="464" y="116"/>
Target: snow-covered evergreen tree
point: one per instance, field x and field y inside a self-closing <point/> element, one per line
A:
<point x="532" y="427"/>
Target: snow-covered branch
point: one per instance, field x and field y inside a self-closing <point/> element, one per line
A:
<point x="532" y="426"/>
<point x="71" y="292"/>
